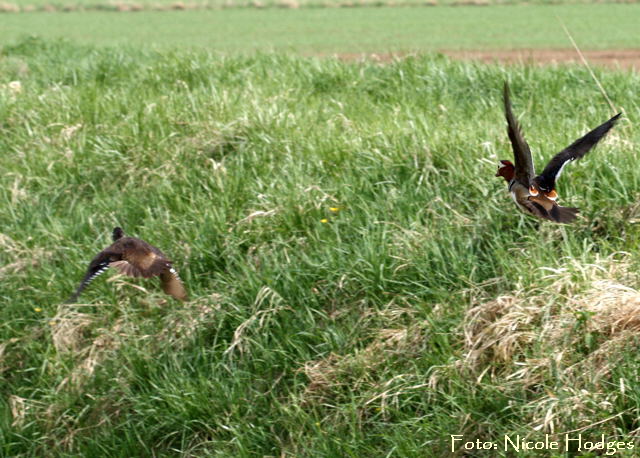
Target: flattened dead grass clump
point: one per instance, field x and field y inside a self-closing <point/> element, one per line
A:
<point x="21" y="408"/>
<point x="181" y="326"/>
<point x="9" y="8"/>
<point x="78" y="335"/>
<point x="21" y="258"/>
<point x="67" y="132"/>
<point x="496" y="330"/>
<point x="511" y="329"/>
<point x="471" y="3"/>
<point x="361" y="370"/>
<point x="82" y="345"/>
<point x="524" y="340"/>
<point x="615" y="308"/>
<point x="100" y="347"/>
<point x="288" y="4"/>
<point x="70" y="329"/>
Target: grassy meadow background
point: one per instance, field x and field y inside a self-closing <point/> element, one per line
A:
<point x="29" y="6"/>
<point x="319" y="31"/>
<point x="361" y="284"/>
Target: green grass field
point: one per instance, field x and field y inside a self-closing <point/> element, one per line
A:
<point x="165" y="5"/>
<point x="313" y="31"/>
<point x="361" y="284"/>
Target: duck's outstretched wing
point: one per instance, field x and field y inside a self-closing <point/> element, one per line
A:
<point x="524" y="170"/>
<point x="97" y="266"/>
<point x="172" y="285"/>
<point x="546" y="181"/>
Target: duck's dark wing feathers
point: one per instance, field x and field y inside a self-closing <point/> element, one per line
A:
<point x="521" y="151"/>
<point x="546" y="181"/>
<point x="97" y="266"/>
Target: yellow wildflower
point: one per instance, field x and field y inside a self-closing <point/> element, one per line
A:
<point x="334" y="209"/>
<point x="324" y="220"/>
<point x="37" y="309"/>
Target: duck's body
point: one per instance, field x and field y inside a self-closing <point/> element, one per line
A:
<point x="136" y="258"/>
<point x="537" y="194"/>
<point x="530" y="200"/>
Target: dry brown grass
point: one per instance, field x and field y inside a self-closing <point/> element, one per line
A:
<point x="84" y="341"/>
<point x="503" y="330"/>
<point x="377" y="374"/>
<point x="471" y="3"/>
<point x="70" y="330"/>
<point x="575" y="334"/>
<point x="79" y="336"/>
<point x="21" y="408"/>
<point x="9" y="8"/>
<point x="182" y="324"/>
<point x="21" y="257"/>
<point x="288" y="4"/>
<point x="81" y="345"/>
<point x="356" y="372"/>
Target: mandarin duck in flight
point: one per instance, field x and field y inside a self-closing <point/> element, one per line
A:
<point x="135" y="258"/>
<point x="536" y="194"/>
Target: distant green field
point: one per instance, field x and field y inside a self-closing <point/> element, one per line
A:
<point x="313" y="31"/>
<point x="361" y="284"/>
<point x="137" y="5"/>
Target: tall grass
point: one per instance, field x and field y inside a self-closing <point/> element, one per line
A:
<point x="342" y="237"/>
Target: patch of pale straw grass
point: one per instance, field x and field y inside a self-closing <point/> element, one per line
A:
<point x="182" y="324"/>
<point x="21" y="257"/>
<point x="523" y="339"/>
<point x="21" y="408"/>
<point x="356" y="372"/>
<point x="9" y="8"/>
<point x="82" y="338"/>
<point x="78" y="335"/>
<point x="502" y="330"/>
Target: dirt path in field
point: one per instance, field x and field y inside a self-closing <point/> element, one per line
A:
<point x="623" y="58"/>
<point x="614" y="58"/>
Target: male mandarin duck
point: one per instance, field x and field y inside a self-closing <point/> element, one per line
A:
<point x="537" y="194"/>
<point x="135" y="258"/>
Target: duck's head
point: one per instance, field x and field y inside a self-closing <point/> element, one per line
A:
<point x="506" y="170"/>
<point x="117" y="234"/>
